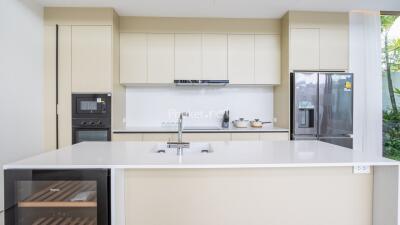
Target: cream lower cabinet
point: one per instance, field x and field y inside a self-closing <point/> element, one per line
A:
<point x="245" y="136"/>
<point x="278" y="136"/>
<point x="127" y="137"/>
<point x="158" y="137"/>
<point x="164" y="137"/>
<point x="206" y="137"/>
<point x="91" y="65"/>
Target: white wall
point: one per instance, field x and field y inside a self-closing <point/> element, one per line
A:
<point x="21" y="71"/>
<point x="151" y="106"/>
<point x="365" y="63"/>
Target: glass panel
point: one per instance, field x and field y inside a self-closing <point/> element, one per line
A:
<point x="88" y="105"/>
<point x="55" y="202"/>
<point x="91" y="135"/>
<point x="390" y="36"/>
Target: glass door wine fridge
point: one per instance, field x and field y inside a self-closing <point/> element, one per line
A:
<point x="57" y="197"/>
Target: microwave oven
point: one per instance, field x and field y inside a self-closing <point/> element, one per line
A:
<point x="91" y="105"/>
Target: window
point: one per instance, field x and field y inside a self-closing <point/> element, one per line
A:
<point x="390" y="38"/>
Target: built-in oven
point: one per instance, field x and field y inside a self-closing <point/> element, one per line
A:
<point x="91" y="117"/>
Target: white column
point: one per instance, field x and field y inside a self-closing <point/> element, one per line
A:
<point x="365" y="63"/>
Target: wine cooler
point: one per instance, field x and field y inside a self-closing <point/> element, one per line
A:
<point x="57" y="197"/>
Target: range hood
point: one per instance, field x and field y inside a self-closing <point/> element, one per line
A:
<point x="201" y="82"/>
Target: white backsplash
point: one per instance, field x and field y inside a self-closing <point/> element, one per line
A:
<point x="160" y="106"/>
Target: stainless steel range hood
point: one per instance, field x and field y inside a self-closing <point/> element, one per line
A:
<point x="201" y="82"/>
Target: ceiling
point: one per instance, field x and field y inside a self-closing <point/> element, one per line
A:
<point x="226" y="8"/>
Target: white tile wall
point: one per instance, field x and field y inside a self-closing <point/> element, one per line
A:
<point x="151" y="106"/>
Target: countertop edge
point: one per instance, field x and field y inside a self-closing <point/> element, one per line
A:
<point x="236" y="130"/>
<point x="221" y="166"/>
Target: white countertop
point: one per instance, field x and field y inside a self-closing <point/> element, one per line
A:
<point x="232" y="154"/>
<point x="231" y="129"/>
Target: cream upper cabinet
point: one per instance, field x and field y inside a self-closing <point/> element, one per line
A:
<point x="215" y="56"/>
<point x="160" y="61"/>
<point x="241" y="58"/>
<point x="318" y="41"/>
<point x="91" y="49"/>
<point x="304" y="49"/>
<point x="133" y="58"/>
<point x="267" y="66"/>
<point x="188" y="56"/>
<point x="334" y="48"/>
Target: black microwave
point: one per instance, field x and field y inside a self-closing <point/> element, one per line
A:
<point x="89" y="105"/>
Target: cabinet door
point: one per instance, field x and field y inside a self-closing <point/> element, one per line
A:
<point x="267" y="66"/>
<point x="188" y="56"/>
<point x="245" y="136"/>
<point x="157" y="137"/>
<point x="284" y="136"/>
<point x="160" y="66"/>
<point x="206" y="137"/>
<point x="304" y="49"/>
<point x="133" y="58"/>
<point x="334" y="49"/>
<point x="91" y="58"/>
<point x="64" y="108"/>
<point x="241" y="59"/>
<point x="215" y="57"/>
<point x="127" y="137"/>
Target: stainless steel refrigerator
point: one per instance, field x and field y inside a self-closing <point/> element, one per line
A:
<point x="322" y="107"/>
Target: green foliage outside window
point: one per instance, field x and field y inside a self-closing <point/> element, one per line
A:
<point x="390" y="32"/>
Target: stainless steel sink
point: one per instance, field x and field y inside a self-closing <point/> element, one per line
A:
<point x="194" y="148"/>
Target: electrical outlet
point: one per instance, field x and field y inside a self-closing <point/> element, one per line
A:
<point x="359" y="169"/>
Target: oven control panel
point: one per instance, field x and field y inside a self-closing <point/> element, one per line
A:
<point x="91" y="123"/>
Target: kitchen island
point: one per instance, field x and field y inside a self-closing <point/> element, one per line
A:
<point x="236" y="182"/>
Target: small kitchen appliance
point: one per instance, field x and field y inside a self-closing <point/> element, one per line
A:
<point x="322" y="107"/>
<point x="91" y="117"/>
<point x="225" y="120"/>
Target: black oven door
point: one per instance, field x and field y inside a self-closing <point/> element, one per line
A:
<point x="89" y="105"/>
<point x="90" y="134"/>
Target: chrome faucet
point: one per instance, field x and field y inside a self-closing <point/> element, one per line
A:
<point x="179" y="145"/>
<point x="180" y="127"/>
